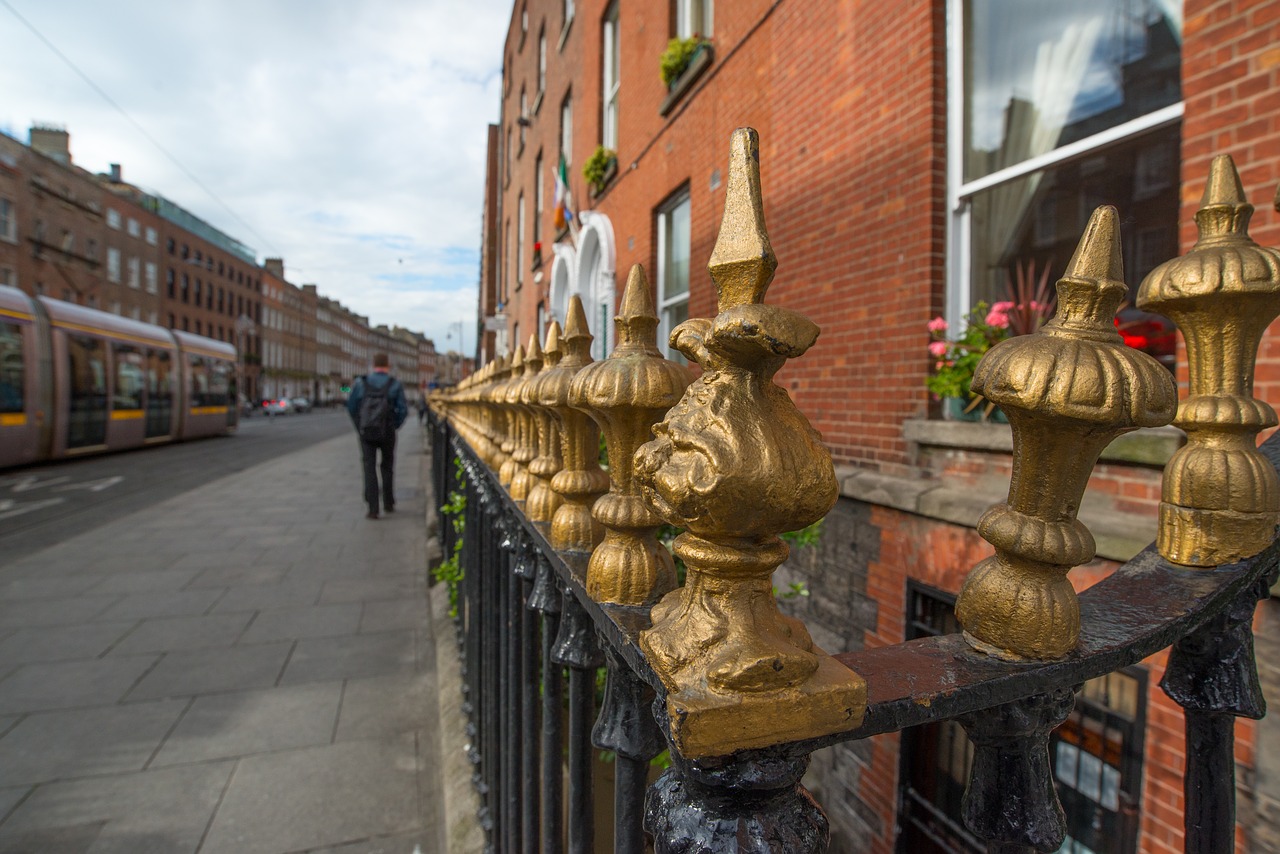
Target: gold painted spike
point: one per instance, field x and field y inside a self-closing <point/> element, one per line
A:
<point x="532" y="356"/>
<point x="637" y="321"/>
<point x="551" y="351"/>
<point x="742" y="263"/>
<point x="1221" y="498"/>
<point x="577" y="337"/>
<point x="1068" y="391"/>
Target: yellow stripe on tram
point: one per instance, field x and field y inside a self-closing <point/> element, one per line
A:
<point x="21" y="315"/>
<point x="127" y="415"/>
<point x="13" y="419"/>
<point x="208" y="410"/>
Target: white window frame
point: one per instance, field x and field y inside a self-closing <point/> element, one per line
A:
<point x="960" y="192"/>
<point x="134" y="268"/>
<point x="151" y="236"/>
<point x="610" y="73"/>
<point x="665" y="304"/>
<point x="113" y="264"/>
<point x="520" y="240"/>
<point x="694" y="17"/>
<point x="538" y="199"/>
<point x="133" y="227"/>
<point x="566" y="129"/>
<point x="152" y="278"/>
<point x="8" y="221"/>
<point x="542" y="61"/>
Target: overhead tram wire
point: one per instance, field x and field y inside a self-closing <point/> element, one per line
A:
<point x="262" y="241"/>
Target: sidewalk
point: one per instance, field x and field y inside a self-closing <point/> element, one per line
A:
<point x="248" y="668"/>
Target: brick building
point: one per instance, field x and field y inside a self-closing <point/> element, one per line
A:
<point x="914" y="164"/>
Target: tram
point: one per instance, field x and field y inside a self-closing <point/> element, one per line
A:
<point x="76" y="381"/>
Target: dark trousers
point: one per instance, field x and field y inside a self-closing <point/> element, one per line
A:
<point x="369" y="456"/>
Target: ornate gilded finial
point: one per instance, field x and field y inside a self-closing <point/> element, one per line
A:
<point x="526" y="431"/>
<point x="735" y="463"/>
<point x="493" y="417"/>
<point x="542" y="503"/>
<point x="1221" y="498"/>
<point x="1068" y="390"/>
<point x="580" y="481"/>
<point x="515" y="370"/>
<point x="625" y="394"/>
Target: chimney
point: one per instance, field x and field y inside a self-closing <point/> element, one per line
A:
<point x="51" y="141"/>
<point x="115" y="173"/>
<point x="274" y="266"/>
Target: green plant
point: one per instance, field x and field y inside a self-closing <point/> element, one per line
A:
<point x="450" y="569"/>
<point x="804" y="537"/>
<point x="957" y="359"/>
<point x="676" y="58"/>
<point x="596" y="169"/>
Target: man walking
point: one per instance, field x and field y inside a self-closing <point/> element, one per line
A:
<point x="377" y="407"/>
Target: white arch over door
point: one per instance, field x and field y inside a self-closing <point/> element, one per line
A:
<point x="596" y="278"/>
<point x="564" y="284"/>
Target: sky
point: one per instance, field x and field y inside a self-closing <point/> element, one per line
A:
<point x="345" y="136"/>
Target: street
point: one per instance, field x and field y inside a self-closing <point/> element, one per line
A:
<point x="44" y="504"/>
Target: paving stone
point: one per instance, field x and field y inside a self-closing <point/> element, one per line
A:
<point x="369" y="589"/>
<point x="311" y="621"/>
<point x="354" y="791"/>
<point x="41" y="587"/>
<point x="246" y="722"/>
<point x="165" y="604"/>
<point x="144" y="582"/>
<point x="172" y="634"/>
<point x="58" y="745"/>
<point x="10" y="797"/>
<point x="421" y="842"/>
<point x="60" y="611"/>
<point x="62" y="685"/>
<point x="350" y="657"/>
<point x="76" y="839"/>
<point x="239" y="574"/>
<point x="382" y="706"/>
<point x="87" y="640"/>
<point x="147" y="812"/>
<point x="409" y="613"/>
<point x="256" y="597"/>
<point x="207" y="671"/>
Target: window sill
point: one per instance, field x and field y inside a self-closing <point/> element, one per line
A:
<point x="564" y="34"/>
<point x="610" y="172"/>
<point x="1149" y="447"/>
<point x="700" y="62"/>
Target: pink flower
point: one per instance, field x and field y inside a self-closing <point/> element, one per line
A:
<point x="1003" y="307"/>
<point x="937" y="349"/>
<point x="998" y="318"/>
<point x="938" y="324"/>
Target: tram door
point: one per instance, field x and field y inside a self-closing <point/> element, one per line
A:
<point x="87" y="384"/>
<point x="159" y="394"/>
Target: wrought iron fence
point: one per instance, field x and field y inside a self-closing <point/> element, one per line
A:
<point x="560" y="570"/>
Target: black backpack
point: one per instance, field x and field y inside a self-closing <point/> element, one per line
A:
<point x="375" y="420"/>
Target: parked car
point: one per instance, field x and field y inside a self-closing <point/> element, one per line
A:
<point x="1153" y="334"/>
<point x="300" y="404"/>
<point x="281" y="406"/>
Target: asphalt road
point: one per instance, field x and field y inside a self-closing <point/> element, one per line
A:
<point x="40" y="505"/>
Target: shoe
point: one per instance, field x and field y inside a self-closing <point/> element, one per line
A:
<point x="372" y="514"/>
<point x="391" y="508"/>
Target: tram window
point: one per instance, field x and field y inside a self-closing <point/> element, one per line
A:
<point x="159" y="393"/>
<point x="87" y="417"/>
<point x="12" y="375"/>
<point x="219" y="383"/>
<point x="130" y="378"/>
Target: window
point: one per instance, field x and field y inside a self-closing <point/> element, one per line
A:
<point x="130" y="378"/>
<point x="152" y="237"/>
<point x="91" y="249"/>
<point x="186" y="288"/>
<point x="568" y="13"/>
<point x="508" y="153"/>
<point x="524" y="116"/>
<point x="1061" y="108"/>
<point x="673" y="270"/>
<point x="1096" y="756"/>
<point x="524" y="22"/>
<point x="609" y="89"/>
<point x="537" y="206"/>
<point x="169" y="284"/>
<point x="87" y="374"/>
<point x="113" y="218"/>
<point x="113" y="265"/>
<point x="693" y="18"/>
<point x="8" y="277"/>
<point x="134" y="229"/>
<point x="13" y="381"/>
<point x="8" y="221"/>
<point x="520" y="242"/>
<point x="542" y="62"/>
<point x="134" y="266"/>
<point x="152" y="286"/>
<point x="566" y="129"/>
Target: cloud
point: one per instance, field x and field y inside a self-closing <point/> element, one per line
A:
<point x="347" y="138"/>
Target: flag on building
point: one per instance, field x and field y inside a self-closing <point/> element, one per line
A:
<point x="564" y="213"/>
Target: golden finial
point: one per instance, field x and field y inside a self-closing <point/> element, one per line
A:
<point x="543" y="501"/>
<point x="1068" y="390"/>
<point x="735" y="463"/>
<point x="742" y="263"/>
<point x="526" y="431"/>
<point x="625" y="394"/>
<point x="1221" y="498"/>
<point x="515" y="370"/>
<point x="580" y="480"/>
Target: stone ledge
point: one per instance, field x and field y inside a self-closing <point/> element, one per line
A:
<point x="1119" y="536"/>
<point x="1151" y="446"/>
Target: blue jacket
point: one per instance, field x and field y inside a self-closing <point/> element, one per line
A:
<point x="378" y="379"/>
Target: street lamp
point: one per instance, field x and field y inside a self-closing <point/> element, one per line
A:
<point x="244" y="327"/>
